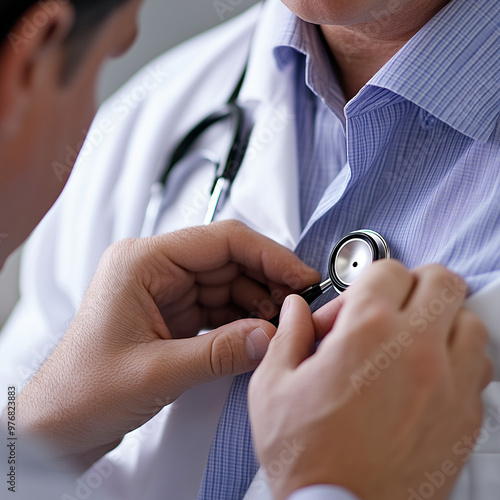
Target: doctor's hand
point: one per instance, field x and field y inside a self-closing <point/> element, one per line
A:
<point x="389" y="399"/>
<point x="127" y="353"/>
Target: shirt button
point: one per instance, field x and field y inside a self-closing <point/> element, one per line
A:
<point x="428" y="121"/>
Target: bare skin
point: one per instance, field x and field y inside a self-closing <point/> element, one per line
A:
<point x="36" y="109"/>
<point x="129" y="351"/>
<point x="376" y="438"/>
<point x="364" y="34"/>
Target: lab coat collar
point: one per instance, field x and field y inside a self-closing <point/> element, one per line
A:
<point x="268" y="178"/>
<point x="451" y="67"/>
<point x="260" y="83"/>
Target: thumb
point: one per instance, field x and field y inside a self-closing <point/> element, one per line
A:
<point x="233" y="349"/>
<point x="295" y="338"/>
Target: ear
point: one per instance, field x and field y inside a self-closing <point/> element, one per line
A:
<point x="24" y="55"/>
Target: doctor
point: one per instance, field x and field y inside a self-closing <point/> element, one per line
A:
<point x="415" y="168"/>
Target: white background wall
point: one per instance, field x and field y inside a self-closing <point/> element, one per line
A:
<point x="164" y="23"/>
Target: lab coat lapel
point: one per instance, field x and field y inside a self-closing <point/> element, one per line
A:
<point x="265" y="193"/>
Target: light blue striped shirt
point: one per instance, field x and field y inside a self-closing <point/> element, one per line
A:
<point x="415" y="155"/>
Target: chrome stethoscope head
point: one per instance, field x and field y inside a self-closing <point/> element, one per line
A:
<point x="350" y="257"/>
<point x="353" y="254"/>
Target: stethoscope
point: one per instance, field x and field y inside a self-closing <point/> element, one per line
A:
<point x="241" y="128"/>
<point x="350" y="257"/>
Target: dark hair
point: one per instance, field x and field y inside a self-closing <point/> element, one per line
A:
<point x="89" y="15"/>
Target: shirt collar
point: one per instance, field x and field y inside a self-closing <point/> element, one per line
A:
<point x="451" y="67"/>
<point x="296" y="38"/>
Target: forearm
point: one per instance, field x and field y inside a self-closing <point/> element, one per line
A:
<point x="56" y="409"/>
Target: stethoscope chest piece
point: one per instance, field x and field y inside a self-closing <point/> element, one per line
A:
<point x="353" y="254"/>
<point x="350" y="257"/>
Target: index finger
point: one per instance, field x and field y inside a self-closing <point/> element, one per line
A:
<point x="206" y="248"/>
<point x="386" y="280"/>
<point x="325" y="317"/>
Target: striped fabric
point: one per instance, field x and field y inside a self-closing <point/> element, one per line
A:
<point x="232" y="463"/>
<point x="415" y="156"/>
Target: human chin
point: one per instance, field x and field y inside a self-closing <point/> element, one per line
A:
<point x="335" y="12"/>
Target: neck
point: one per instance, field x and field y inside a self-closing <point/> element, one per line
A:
<point x="360" y="50"/>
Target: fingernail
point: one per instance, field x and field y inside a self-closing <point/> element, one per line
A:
<point x="257" y="344"/>
<point x="285" y="307"/>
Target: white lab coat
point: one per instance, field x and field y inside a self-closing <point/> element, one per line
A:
<point x="106" y="200"/>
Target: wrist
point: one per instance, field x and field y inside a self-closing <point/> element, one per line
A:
<point x="42" y="419"/>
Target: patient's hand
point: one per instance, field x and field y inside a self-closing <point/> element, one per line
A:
<point x="127" y="353"/>
<point x="388" y="397"/>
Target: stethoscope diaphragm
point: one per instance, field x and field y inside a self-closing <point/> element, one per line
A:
<point x="353" y="254"/>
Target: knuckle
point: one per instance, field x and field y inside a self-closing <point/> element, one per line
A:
<point x="375" y="317"/>
<point x="439" y="276"/>
<point x="386" y="271"/>
<point x="233" y="226"/>
<point x="394" y="266"/>
<point x="391" y="267"/>
<point x="225" y="355"/>
<point x="479" y="329"/>
<point x="438" y="270"/>
<point x="120" y="252"/>
<point x="119" y="247"/>
<point x="489" y="371"/>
